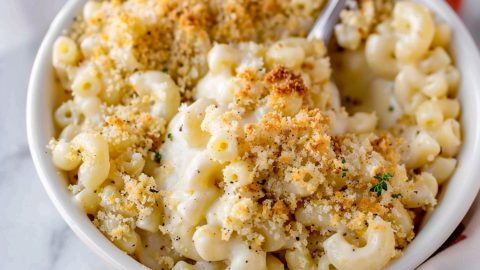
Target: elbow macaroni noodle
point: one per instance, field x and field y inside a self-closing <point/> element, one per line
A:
<point x="196" y="144"/>
<point x="378" y="250"/>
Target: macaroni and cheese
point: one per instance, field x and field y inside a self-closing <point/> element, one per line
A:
<point x="214" y="135"/>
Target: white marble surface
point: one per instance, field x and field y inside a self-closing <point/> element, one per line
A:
<point x="32" y="233"/>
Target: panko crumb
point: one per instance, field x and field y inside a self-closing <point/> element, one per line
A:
<point x="299" y="164"/>
<point x="311" y="176"/>
<point x="175" y="36"/>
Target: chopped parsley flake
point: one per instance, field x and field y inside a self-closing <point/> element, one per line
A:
<point x="344" y="170"/>
<point x="157" y="157"/>
<point x="382" y="183"/>
<point x="396" y="195"/>
<point x="384" y="176"/>
<point x="170" y="136"/>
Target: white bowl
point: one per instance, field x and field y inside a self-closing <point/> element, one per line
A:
<point x="453" y="205"/>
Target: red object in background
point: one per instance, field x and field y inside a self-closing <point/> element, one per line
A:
<point x="456" y="4"/>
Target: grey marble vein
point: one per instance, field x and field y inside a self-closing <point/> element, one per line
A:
<point x="57" y="244"/>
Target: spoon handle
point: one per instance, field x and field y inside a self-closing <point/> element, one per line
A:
<point x="323" y="27"/>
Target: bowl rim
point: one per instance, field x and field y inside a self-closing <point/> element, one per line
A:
<point x="92" y="237"/>
<point x="89" y="235"/>
<point x="415" y="255"/>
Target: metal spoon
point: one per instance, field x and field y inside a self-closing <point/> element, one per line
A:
<point x="323" y="27"/>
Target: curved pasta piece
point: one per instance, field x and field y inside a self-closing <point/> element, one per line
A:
<point x="408" y="84"/>
<point x="92" y="150"/>
<point x="287" y="104"/>
<point x="210" y="246"/>
<point x="89" y="44"/>
<point x="348" y="36"/>
<point x="453" y="78"/>
<point x="164" y="90"/>
<point x="131" y="163"/>
<point x="193" y="196"/>
<point x="448" y="137"/>
<point x="151" y="221"/>
<point x="443" y="35"/>
<point x="90" y="11"/>
<point x="87" y="82"/>
<point x="314" y="215"/>
<point x="65" y="52"/>
<point x="192" y="121"/>
<point x="378" y="251"/>
<point x="402" y="219"/>
<point x="414" y="26"/>
<point x="96" y="164"/>
<point x="274" y="234"/>
<point x="323" y="263"/>
<point x="69" y="132"/>
<point x="244" y="258"/>
<point x="217" y="86"/>
<point x="299" y="258"/>
<point x="429" y="115"/>
<point x="304" y="187"/>
<point x="441" y="168"/>
<point x="436" y="85"/>
<point x="182" y="241"/>
<point x="64" y="156"/>
<point x="67" y="114"/>
<point x="422" y="149"/>
<point x="222" y="58"/>
<point x="90" y="107"/>
<point x="436" y="60"/>
<point x="379" y="53"/>
<point x="129" y="242"/>
<point x="450" y="107"/>
<point x="339" y="123"/>
<point x="200" y="174"/>
<point x="222" y="147"/>
<point x="362" y="122"/>
<point x="422" y="191"/>
<point x="88" y="200"/>
<point x="237" y="174"/>
<point x="155" y="246"/>
<point x="288" y="52"/>
<point x="193" y="206"/>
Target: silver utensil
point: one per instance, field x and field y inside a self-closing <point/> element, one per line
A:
<point x="323" y="27"/>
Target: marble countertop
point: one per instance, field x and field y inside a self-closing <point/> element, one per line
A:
<point x="32" y="233"/>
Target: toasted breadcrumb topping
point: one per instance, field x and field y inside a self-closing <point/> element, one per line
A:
<point x="172" y="37"/>
<point x="298" y="164"/>
<point x="312" y="177"/>
<point x="175" y="36"/>
<point x="285" y="82"/>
